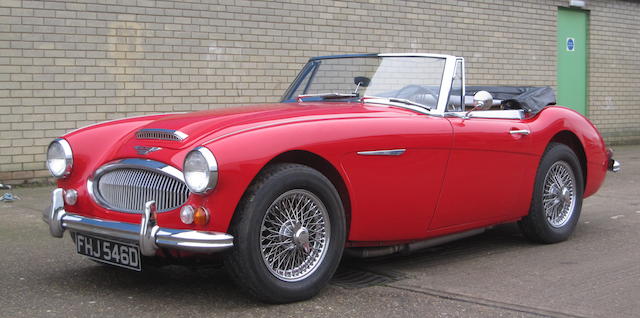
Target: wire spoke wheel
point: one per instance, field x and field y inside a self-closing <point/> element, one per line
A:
<point x="559" y="194"/>
<point x="294" y="235"/>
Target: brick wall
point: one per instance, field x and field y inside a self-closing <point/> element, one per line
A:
<point x="66" y="64"/>
<point x="614" y="68"/>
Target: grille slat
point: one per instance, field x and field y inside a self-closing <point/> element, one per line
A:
<point x="128" y="189"/>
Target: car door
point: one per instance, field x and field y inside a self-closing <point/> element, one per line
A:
<point x="485" y="177"/>
<point x="395" y="175"/>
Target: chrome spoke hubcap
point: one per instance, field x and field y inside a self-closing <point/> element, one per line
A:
<point x="559" y="195"/>
<point x="294" y="236"/>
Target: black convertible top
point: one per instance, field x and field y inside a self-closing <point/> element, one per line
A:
<point x="530" y="98"/>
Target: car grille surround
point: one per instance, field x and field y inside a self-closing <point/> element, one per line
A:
<point x="127" y="185"/>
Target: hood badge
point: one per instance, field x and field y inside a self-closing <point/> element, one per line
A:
<point x="144" y="150"/>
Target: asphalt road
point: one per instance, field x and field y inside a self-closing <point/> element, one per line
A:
<point x="594" y="274"/>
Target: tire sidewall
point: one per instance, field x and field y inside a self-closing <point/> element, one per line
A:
<point x="548" y="233"/>
<point x="248" y="233"/>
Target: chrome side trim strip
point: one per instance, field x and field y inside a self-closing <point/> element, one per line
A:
<point x="148" y="234"/>
<point x="490" y="114"/>
<point x="390" y="152"/>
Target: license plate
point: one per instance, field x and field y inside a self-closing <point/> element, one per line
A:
<point x="107" y="251"/>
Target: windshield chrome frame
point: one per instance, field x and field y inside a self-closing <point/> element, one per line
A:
<point x="445" y="83"/>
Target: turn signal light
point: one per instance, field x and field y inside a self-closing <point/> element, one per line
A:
<point x="186" y="214"/>
<point x="201" y="216"/>
<point x="70" y="196"/>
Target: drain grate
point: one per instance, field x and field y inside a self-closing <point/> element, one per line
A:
<point x="359" y="278"/>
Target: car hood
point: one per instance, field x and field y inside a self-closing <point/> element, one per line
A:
<point x="203" y="126"/>
<point x="98" y="144"/>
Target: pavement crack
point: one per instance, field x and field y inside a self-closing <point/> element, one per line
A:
<point x="483" y="302"/>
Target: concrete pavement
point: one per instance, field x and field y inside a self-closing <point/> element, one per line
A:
<point x="594" y="274"/>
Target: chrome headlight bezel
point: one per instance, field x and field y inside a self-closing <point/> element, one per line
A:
<point x="209" y="171"/>
<point x="67" y="156"/>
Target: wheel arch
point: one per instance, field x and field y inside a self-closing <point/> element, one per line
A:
<point x="572" y="141"/>
<point x="325" y="167"/>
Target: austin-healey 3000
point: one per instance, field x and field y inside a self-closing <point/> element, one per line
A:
<point x="365" y="155"/>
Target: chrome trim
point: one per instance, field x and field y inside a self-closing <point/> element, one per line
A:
<point x="93" y="183"/>
<point x="161" y="134"/>
<point x="154" y="237"/>
<point x="149" y="229"/>
<point x="300" y="98"/>
<point x="415" y="55"/>
<point x="390" y="152"/>
<point x="68" y="157"/>
<point x="445" y="83"/>
<point x="614" y="165"/>
<point x="145" y="150"/>
<point x="520" y="132"/>
<point x="394" y="102"/>
<point x="56" y="213"/>
<point x="462" y="80"/>
<point x="490" y="114"/>
<point x="559" y="194"/>
<point x="212" y="166"/>
<point x="295" y="235"/>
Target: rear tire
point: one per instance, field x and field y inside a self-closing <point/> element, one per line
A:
<point x="289" y="234"/>
<point x="557" y="197"/>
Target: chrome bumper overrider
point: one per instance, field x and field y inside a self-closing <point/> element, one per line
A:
<point x="147" y="234"/>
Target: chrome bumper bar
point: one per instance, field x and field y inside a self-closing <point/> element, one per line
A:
<point x="614" y="165"/>
<point x="147" y="234"/>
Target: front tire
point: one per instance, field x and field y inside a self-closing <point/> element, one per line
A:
<point x="557" y="197"/>
<point x="289" y="234"/>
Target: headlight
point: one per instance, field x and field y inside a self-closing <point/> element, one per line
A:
<point x="200" y="170"/>
<point x="59" y="158"/>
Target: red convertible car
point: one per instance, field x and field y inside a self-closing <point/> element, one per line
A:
<point x="366" y="155"/>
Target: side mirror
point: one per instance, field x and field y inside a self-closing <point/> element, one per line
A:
<point x="361" y="81"/>
<point x="482" y="100"/>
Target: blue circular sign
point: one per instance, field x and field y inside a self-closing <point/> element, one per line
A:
<point x="571" y="44"/>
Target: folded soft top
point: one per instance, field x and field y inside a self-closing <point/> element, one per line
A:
<point x="530" y="98"/>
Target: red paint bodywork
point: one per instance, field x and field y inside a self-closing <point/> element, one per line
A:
<point x="455" y="174"/>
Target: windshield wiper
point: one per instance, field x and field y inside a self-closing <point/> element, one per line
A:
<point x="397" y="100"/>
<point x="329" y="96"/>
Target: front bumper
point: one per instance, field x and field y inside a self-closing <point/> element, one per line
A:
<point x="148" y="235"/>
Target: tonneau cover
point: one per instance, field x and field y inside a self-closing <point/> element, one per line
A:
<point x="530" y="98"/>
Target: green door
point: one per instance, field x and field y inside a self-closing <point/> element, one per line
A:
<point x="572" y="59"/>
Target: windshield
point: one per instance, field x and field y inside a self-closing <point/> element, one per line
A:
<point x="414" y="79"/>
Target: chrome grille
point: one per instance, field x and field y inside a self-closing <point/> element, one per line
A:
<point x="128" y="189"/>
<point x="161" y="134"/>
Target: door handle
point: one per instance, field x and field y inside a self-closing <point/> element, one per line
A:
<point x="520" y="132"/>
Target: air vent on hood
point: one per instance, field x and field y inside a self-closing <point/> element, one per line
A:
<point x="161" y="134"/>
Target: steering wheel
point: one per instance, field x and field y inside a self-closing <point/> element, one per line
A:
<point x="419" y="94"/>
